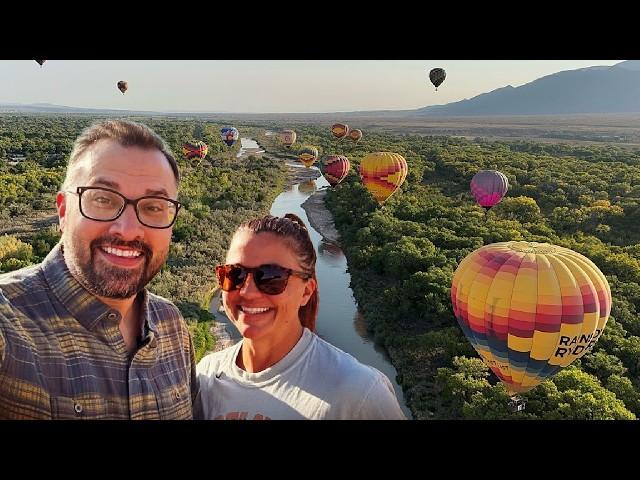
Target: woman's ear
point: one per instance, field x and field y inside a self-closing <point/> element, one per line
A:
<point x="309" y="287"/>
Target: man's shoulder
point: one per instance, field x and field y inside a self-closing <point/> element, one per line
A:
<point x="21" y="281"/>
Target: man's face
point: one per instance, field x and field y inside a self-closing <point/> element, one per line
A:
<point x="115" y="259"/>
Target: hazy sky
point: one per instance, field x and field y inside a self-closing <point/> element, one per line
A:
<point x="264" y="85"/>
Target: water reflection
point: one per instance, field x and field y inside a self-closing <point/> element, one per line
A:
<point x="307" y="187"/>
<point x="360" y="326"/>
<point x="330" y="252"/>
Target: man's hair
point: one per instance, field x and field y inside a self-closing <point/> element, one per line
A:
<point x="127" y="134"/>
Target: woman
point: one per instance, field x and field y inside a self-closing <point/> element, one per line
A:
<point x="281" y="369"/>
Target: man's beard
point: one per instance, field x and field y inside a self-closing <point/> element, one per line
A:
<point x="111" y="281"/>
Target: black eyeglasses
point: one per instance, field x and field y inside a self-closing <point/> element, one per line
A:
<point x="270" y="279"/>
<point x="105" y="205"/>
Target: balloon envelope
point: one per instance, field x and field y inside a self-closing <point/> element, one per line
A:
<point x="288" y="137"/>
<point x="340" y="130"/>
<point x="308" y="155"/>
<point x="489" y="187"/>
<point x="195" y="149"/>
<point x="437" y="76"/>
<point x="355" y="135"/>
<point x="229" y="135"/>
<point x="123" y="86"/>
<point x="529" y="309"/>
<point x="335" y="168"/>
<point x="383" y="173"/>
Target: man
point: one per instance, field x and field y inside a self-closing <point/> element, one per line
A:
<point x="80" y="336"/>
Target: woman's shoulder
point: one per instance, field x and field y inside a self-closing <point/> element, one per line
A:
<point x="211" y="363"/>
<point x="343" y="364"/>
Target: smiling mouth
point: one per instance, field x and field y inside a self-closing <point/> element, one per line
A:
<point x="121" y="252"/>
<point x="253" y="311"/>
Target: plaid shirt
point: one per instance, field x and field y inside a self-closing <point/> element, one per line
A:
<point x="62" y="355"/>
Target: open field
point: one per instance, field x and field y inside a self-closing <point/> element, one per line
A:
<point x="616" y="129"/>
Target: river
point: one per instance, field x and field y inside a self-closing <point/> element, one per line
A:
<point x="339" y="321"/>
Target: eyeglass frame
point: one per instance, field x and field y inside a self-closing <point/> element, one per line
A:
<point x="250" y="271"/>
<point x="127" y="201"/>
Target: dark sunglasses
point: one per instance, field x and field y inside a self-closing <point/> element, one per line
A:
<point x="270" y="279"/>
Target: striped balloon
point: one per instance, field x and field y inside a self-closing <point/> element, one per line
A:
<point x="335" y="168"/>
<point x="229" y="135"/>
<point x="383" y="173"/>
<point x="288" y="137"/>
<point x="489" y="187"/>
<point x="340" y="130"/>
<point x="308" y="155"/>
<point x="197" y="149"/>
<point x="529" y="309"/>
<point x="355" y="135"/>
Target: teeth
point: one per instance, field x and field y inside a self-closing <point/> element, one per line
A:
<point x="122" y="253"/>
<point x="254" y="310"/>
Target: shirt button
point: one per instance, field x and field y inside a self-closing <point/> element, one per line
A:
<point x="177" y="395"/>
<point x="78" y="408"/>
<point x="112" y="316"/>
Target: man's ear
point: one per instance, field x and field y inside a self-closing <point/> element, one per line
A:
<point x="61" y="205"/>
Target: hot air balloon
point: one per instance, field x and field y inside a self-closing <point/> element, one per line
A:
<point x="383" y="173"/>
<point x="197" y="149"/>
<point x="229" y="135"/>
<point x="340" y="130"/>
<point x="335" y="168"/>
<point x="308" y="155"/>
<point x="288" y="137"/>
<point x="123" y="86"/>
<point x="489" y="187"/>
<point x="437" y="76"/>
<point x="529" y="309"/>
<point x="355" y="135"/>
<point x="40" y="62"/>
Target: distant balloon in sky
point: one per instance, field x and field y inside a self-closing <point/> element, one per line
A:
<point x="288" y="137"/>
<point x="437" y="76"/>
<point x="340" y="130"/>
<point x="197" y="149"/>
<point x="308" y="155"/>
<point x="489" y="187"/>
<point x="383" y="173"/>
<point x="355" y="135"/>
<point x="529" y="309"/>
<point x="335" y="168"/>
<point x="40" y="62"/>
<point x="229" y="135"/>
<point x="123" y="86"/>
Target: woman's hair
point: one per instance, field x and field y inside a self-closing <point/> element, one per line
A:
<point x="294" y="232"/>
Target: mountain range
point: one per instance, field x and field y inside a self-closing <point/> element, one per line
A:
<point x="599" y="89"/>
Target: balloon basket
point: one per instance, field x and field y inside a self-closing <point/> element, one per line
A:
<point x="517" y="404"/>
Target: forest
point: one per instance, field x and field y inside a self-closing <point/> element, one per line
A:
<point x="401" y="255"/>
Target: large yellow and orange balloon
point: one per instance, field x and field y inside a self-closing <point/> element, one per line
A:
<point x="308" y="155"/>
<point x="383" y="173"/>
<point x="288" y="137"/>
<point x="529" y="309"/>
<point x="340" y="130"/>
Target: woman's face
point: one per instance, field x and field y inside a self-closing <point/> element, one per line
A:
<point x="256" y="314"/>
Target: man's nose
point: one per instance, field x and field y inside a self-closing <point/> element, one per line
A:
<point x="127" y="224"/>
